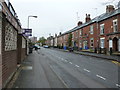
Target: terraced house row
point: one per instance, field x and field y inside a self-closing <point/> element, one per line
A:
<point x="100" y="34"/>
<point x="12" y="42"/>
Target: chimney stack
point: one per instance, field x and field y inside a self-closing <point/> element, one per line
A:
<point x="60" y="33"/>
<point x="55" y="35"/>
<point x="87" y="19"/>
<point x="109" y="8"/>
<point x="79" y="23"/>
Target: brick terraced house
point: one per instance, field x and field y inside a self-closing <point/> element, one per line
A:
<point x="100" y="34"/>
<point x="12" y="42"/>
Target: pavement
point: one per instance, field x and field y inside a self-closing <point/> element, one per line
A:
<point x="50" y="68"/>
<point x="108" y="57"/>
<point x="36" y="73"/>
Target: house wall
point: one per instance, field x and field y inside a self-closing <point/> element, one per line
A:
<point x="9" y="49"/>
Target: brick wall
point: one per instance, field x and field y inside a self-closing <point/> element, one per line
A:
<point x="9" y="58"/>
<point x="21" y="48"/>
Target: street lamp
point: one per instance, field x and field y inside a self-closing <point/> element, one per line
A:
<point x="28" y="19"/>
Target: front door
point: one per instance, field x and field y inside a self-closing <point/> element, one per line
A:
<point x="85" y="45"/>
<point x="115" y="44"/>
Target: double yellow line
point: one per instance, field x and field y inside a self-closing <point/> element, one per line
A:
<point x="117" y="63"/>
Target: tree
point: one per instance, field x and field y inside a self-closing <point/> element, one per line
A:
<point x="42" y="40"/>
<point x="70" y="40"/>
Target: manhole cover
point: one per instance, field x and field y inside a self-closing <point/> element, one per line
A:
<point x="27" y="68"/>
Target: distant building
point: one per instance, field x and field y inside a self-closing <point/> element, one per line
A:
<point x="33" y="39"/>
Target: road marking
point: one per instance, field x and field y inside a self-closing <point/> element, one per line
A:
<point x="115" y="62"/>
<point x="70" y="62"/>
<point x="62" y="59"/>
<point x="77" y="66"/>
<point x="66" y="61"/>
<point x="101" y="77"/>
<point x="86" y="70"/>
<point x="59" y="77"/>
<point x="117" y="85"/>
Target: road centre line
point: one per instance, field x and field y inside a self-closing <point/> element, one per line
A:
<point x="77" y="66"/>
<point x="117" y="85"/>
<point x="101" y="77"/>
<point x="86" y="70"/>
<point x="70" y="62"/>
<point x="66" y="61"/>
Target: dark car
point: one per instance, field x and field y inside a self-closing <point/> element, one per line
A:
<point x="71" y="49"/>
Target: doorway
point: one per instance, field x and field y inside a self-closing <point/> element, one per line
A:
<point x="115" y="44"/>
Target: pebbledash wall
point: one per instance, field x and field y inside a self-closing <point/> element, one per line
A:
<point x="10" y="50"/>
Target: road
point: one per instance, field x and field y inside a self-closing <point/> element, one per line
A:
<point x="52" y="68"/>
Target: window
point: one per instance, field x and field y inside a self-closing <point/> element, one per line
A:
<point x="102" y="29"/>
<point x="80" y="44"/>
<point x="91" y="42"/>
<point x="73" y="35"/>
<point x="91" y="29"/>
<point x="102" y="42"/>
<point x="115" y="25"/>
<point x="76" y="34"/>
<point x="80" y="32"/>
<point x="0" y="7"/>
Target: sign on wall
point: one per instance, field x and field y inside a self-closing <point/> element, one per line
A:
<point x="27" y="32"/>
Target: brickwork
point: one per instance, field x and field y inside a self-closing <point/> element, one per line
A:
<point x="99" y="34"/>
<point x="9" y="58"/>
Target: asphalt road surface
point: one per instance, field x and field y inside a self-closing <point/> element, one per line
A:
<point x="50" y="68"/>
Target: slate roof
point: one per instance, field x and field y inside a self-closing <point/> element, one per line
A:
<point x="96" y="19"/>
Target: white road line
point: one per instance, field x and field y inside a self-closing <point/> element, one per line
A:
<point x="70" y="62"/>
<point x="117" y="85"/>
<point x="101" y="77"/>
<point x="77" y="66"/>
<point x="86" y="70"/>
<point x="66" y="61"/>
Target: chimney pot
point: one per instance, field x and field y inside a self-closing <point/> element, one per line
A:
<point x="109" y="8"/>
<point x="87" y="19"/>
<point x="79" y="23"/>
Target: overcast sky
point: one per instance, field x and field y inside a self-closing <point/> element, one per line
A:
<point x="56" y="16"/>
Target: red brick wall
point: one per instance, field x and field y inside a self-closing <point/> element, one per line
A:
<point x="21" y="51"/>
<point x="109" y="29"/>
<point x="9" y="58"/>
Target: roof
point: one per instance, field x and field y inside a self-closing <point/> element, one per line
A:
<point x="96" y="19"/>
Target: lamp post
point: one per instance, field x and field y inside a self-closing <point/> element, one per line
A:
<point x="28" y="50"/>
<point x="29" y="18"/>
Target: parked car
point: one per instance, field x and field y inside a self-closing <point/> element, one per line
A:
<point x="71" y="49"/>
<point x="45" y="46"/>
